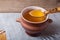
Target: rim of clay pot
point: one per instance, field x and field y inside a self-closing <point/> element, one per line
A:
<point x="31" y="8"/>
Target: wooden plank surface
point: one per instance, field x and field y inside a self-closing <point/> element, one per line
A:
<point x="18" y="5"/>
<point x="14" y="30"/>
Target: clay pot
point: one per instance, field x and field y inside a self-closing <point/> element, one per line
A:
<point x="33" y="28"/>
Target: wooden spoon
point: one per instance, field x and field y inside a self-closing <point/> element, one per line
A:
<point x="52" y="11"/>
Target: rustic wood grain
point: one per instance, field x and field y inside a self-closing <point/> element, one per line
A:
<point x="18" y="5"/>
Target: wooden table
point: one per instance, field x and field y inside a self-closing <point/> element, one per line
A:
<point x="18" y="5"/>
<point x="14" y="30"/>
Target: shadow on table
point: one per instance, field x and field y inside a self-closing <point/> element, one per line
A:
<point x="51" y="31"/>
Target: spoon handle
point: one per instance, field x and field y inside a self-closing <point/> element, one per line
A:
<point x="51" y="11"/>
<point x="58" y="9"/>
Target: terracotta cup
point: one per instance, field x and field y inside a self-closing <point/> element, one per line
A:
<point x="33" y="28"/>
<point x="2" y="35"/>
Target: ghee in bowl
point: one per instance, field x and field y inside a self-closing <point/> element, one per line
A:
<point x="35" y="16"/>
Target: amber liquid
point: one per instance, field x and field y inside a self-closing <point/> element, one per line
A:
<point x="2" y="35"/>
<point x="33" y="19"/>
